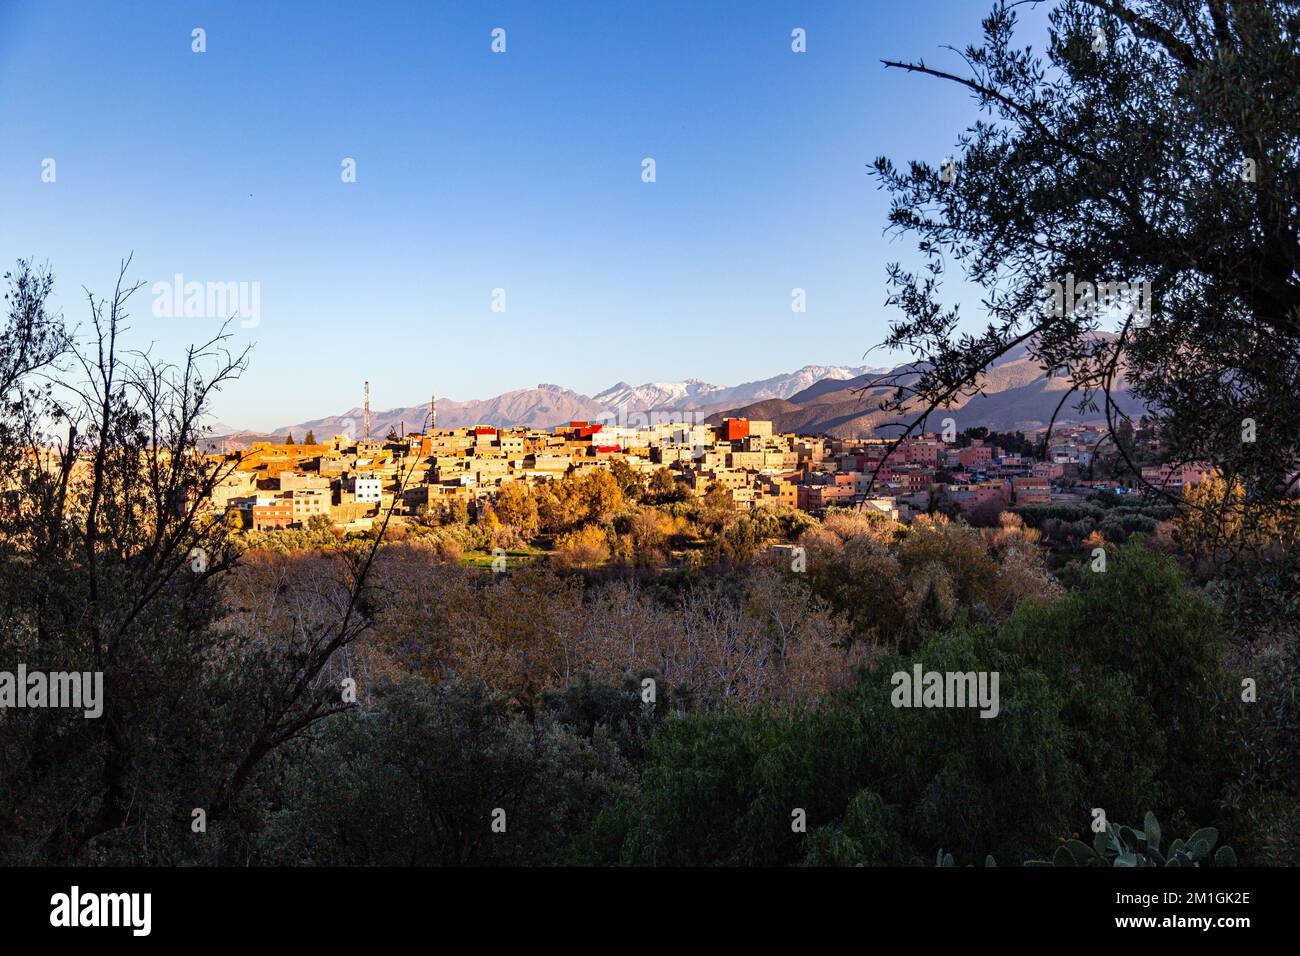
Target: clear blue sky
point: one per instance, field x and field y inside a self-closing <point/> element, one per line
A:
<point x="477" y="171"/>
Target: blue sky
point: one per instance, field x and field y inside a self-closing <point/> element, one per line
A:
<point x="476" y="171"/>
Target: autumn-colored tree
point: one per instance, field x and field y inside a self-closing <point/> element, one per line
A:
<point x="573" y="501"/>
<point x="515" y="505"/>
<point x="585" y="547"/>
<point x="649" y="532"/>
<point x="598" y="495"/>
<point x="1218" y="516"/>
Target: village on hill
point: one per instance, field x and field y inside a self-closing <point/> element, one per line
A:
<point x="351" y="483"/>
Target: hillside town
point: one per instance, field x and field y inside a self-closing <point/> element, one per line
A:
<point x="352" y="482"/>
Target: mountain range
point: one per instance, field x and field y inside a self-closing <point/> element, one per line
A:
<point x="1014" y="395"/>
<point x="842" y="401"/>
<point x="548" y="405"/>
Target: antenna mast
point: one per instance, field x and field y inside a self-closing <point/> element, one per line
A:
<point x="367" y="411"/>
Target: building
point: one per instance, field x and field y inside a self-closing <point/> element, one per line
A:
<point x="1031" y="491"/>
<point x="272" y="512"/>
<point x="307" y="503"/>
<point x="367" y="489"/>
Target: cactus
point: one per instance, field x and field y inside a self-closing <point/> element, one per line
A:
<point x="1128" y="847"/>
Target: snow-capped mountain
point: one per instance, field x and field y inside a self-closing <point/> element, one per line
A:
<point x="691" y="393"/>
<point x="783" y="386"/>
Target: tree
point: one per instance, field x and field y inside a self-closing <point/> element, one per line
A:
<point x="515" y="505"/>
<point x="311" y="437"/>
<point x="319" y="523"/>
<point x="598" y="495"/>
<point x="1156" y="142"/>
<point x="630" y="481"/>
<point x="583" y="548"/>
<point x="32" y="341"/>
<point x="112" y="562"/>
<point x="420" y="780"/>
<point x="649" y="531"/>
<point x="716" y="507"/>
<point x="289" y="439"/>
<point x="1221" y="519"/>
<point x="663" y="489"/>
<point x="573" y="501"/>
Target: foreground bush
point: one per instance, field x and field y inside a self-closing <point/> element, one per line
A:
<point x="421" y="778"/>
<point x="1115" y="697"/>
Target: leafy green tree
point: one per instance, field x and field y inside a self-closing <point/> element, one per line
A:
<point x="1154" y="141"/>
<point x="1113" y="697"/>
<point x="1140" y="658"/>
<point x="721" y="789"/>
<point x="422" y="777"/>
<point x="869" y="834"/>
<point x="630" y="481"/>
<point x="716" y="508"/>
<point x="1265" y="796"/>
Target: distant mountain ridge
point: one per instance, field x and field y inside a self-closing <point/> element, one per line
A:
<point x="695" y="395"/>
<point x="838" y="400"/>
<point x="1014" y="395"/>
<point x="690" y="393"/>
<point x="540" y="407"/>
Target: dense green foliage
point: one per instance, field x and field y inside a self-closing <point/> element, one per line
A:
<point x="1113" y="696"/>
<point x="1118" y="720"/>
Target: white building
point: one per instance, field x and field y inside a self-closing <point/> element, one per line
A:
<point x="368" y="488"/>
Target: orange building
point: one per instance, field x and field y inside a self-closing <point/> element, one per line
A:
<point x="734" y="429"/>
